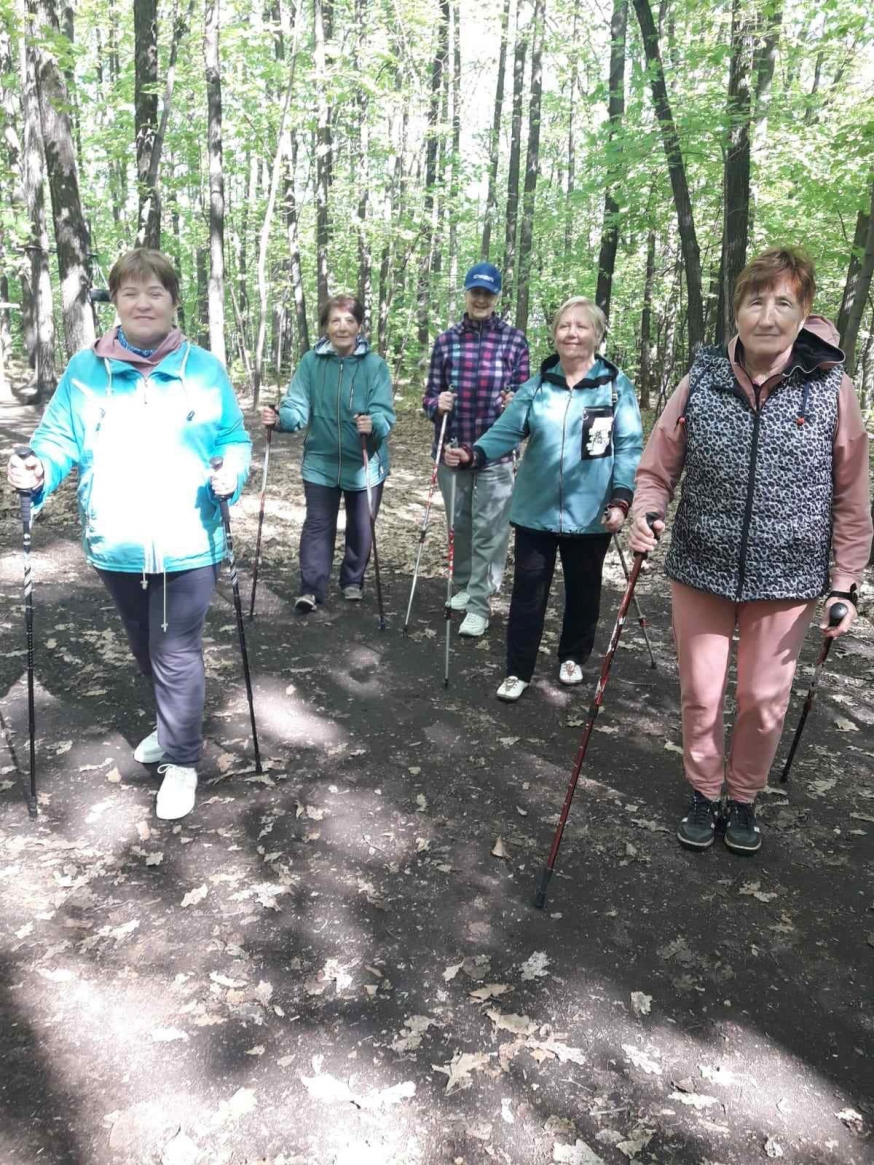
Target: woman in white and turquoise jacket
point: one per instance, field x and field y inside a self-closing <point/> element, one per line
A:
<point x="573" y="490"/>
<point x="140" y="415"/>
<point x="341" y="394"/>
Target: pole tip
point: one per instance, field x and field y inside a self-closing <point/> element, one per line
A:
<point x="32" y="807"/>
<point x="540" y="891"/>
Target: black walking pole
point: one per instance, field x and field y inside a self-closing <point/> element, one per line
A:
<point x="641" y="618"/>
<point x="366" y="461"/>
<point x="594" y="709"/>
<point x="25" y="500"/>
<point x="836" y="612"/>
<point x="257" y="565"/>
<point x="216" y="463"/>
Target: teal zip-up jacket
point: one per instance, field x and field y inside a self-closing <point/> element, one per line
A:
<point x="142" y="447"/>
<point x="582" y="450"/>
<point x="324" y="396"/>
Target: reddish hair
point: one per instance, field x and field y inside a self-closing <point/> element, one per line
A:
<point x="344" y="302"/>
<point x="774" y="264"/>
<point x="143" y="263"/>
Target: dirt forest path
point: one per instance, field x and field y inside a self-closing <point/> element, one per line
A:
<point x="329" y="965"/>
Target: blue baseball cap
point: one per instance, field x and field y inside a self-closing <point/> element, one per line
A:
<point x="484" y="275"/>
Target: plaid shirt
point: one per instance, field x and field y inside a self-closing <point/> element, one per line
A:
<point x="477" y="362"/>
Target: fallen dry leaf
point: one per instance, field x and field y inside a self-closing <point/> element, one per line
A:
<point x="459" y="1068"/>
<point x="195" y="896"/>
<point x="499" y="850"/>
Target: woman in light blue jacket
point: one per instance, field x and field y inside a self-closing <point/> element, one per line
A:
<point x="140" y="415"/>
<point x="573" y="490"/>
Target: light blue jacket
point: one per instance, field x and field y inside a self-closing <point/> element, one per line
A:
<point x="582" y="449"/>
<point x="142" y="447"/>
<point x="324" y="396"/>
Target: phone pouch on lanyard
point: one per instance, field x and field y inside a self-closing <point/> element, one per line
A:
<point x="597" y="432"/>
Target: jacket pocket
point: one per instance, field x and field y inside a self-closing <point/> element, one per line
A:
<point x="597" y="438"/>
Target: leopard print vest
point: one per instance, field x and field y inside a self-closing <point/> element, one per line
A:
<point x="754" y="520"/>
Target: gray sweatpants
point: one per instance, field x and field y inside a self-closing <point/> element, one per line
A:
<point x="171" y="659"/>
<point x="482" y="529"/>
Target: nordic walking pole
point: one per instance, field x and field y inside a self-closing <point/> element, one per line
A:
<point x="641" y="618"/>
<point x="594" y="709"/>
<point x="836" y="612"/>
<point x="260" y="521"/>
<point x="25" y="499"/>
<point x="216" y="463"/>
<point x="450" y="571"/>
<point x="372" y="531"/>
<point x="424" y="529"/>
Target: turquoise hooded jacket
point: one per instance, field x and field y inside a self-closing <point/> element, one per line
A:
<point x="325" y="394"/>
<point x="584" y="444"/>
<point x="142" y="447"/>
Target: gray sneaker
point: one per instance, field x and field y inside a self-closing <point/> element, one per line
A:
<point x="352" y="594"/>
<point x="698" y="828"/>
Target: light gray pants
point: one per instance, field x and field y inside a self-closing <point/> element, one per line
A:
<point x="482" y="529"/>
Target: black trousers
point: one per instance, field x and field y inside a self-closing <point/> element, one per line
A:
<point x="582" y="560"/>
<point x="171" y="658"/>
<point x="320" y="530"/>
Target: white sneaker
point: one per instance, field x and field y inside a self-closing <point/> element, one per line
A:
<point x="570" y="673"/>
<point x="511" y="689"/>
<point x="148" y="751"/>
<point x="176" y="796"/>
<point x="474" y="626"/>
<point x="459" y="602"/>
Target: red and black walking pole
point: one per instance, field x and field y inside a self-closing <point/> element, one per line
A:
<point x="594" y="709"/>
<point x="216" y="463"/>
<point x="836" y="613"/>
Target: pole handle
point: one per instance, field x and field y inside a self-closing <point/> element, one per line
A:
<point x="25" y="496"/>
<point x="837" y="612"/>
<point x="651" y="520"/>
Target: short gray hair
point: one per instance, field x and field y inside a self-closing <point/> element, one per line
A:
<point x="596" y="317"/>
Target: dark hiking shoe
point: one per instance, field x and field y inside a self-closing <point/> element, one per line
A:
<point x="742" y="835"/>
<point x="698" y="827"/>
<point x="305" y="603"/>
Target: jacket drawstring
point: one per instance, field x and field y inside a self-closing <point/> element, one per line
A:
<point x="164" y="624"/>
<point x="802" y="416"/>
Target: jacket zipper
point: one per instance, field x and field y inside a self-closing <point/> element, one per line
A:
<point x="339" y="429"/>
<point x="751" y="482"/>
<point x="561" y="464"/>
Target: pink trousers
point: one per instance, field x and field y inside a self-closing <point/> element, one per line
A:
<point x="770" y="636"/>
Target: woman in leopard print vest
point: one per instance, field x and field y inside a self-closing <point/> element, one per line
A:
<point x="768" y="437"/>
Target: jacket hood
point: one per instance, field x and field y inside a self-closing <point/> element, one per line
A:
<point x="601" y="372"/>
<point x="324" y="347"/>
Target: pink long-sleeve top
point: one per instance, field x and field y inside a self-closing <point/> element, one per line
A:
<point x="661" y="465"/>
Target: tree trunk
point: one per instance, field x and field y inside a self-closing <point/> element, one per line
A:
<point x="532" y="167"/>
<point x="645" y="386"/>
<point x="736" y="170"/>
<point x="72" y="240"/>
<point x="509" y="272"/>
<point x="263" y="245"/>
<point x="495" y="137"/>
<point x="571" y="150"/>
<point x="856" y="295"/>
<point x="432" y="143"/>
<point x="297" y="285"/>
<point x="216" y="285"/>
<point x="324" y="153"/>
<point x="615" y="113"/>
<point x="33" y="169"/>
<point x="855" y="266"/>
<point x="677" y="171"/>
<point x="455" y="103"/>
<point x="361" y="178"/>
<point x="146" y="117"/>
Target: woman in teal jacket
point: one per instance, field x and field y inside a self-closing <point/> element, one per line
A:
<point x="140" y="415"/>
<point x="573" y="490"/>
<point x="340" y="393"/>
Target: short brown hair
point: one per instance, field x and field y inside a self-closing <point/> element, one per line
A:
<point x="142" y="263"/>
<point x="344" y="302"/>
<point x="596" y="317"/>
<point x="776" y="263"/>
